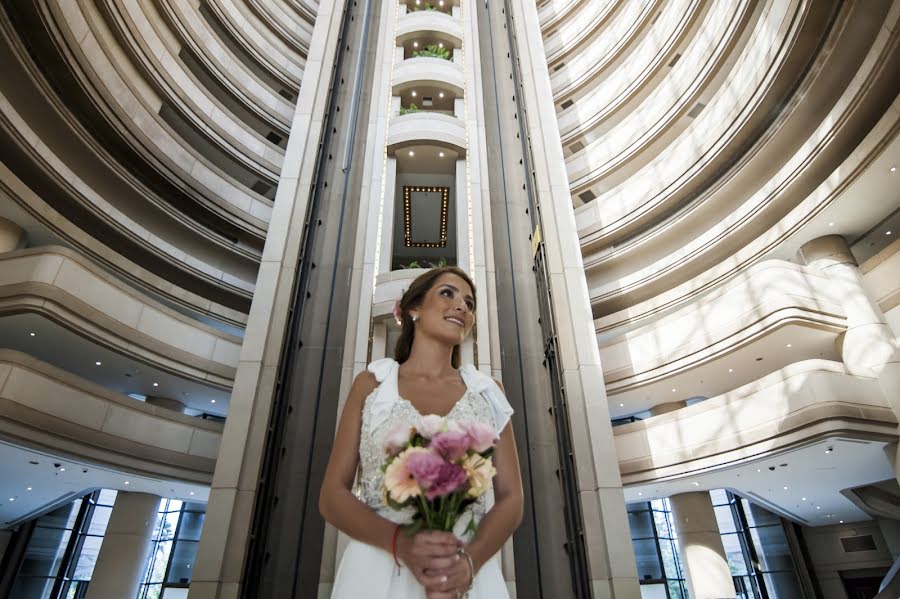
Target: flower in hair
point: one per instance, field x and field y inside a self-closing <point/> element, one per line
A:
<point x="398" y="313"/>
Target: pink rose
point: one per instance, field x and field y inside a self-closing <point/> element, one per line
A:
<point x="430" y="425"/>
<point x="435" y="476"/>
<point x="396" y="439"/>
<point x="452" y="445"/>
<point x="482" y="436"/>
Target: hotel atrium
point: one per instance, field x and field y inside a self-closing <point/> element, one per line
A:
<point x="681" y="217"/>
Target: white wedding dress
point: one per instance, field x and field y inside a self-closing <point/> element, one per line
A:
<point x="369" y="572"/>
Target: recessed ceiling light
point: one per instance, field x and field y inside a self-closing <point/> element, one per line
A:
<point x="440" y="94"/>
<point x="893" y="169"/>
<point x="674" y="390"/>
<point x="411" y="153"/>
<point x="621" y="405"/>
<point x="788" y="344"/>
<point x="12" y="498"/>
<point x="695" y="483"/>
<point x="127" y="482"/>
<point x="639" y="493"/>
<point x="418" y="2"/>
<point x="32" y="334"/>
<point x="415" y="44"/>
<point x="818" y="507"/>
<point x="840" y="521"/>
<point x="831" y="224"/>
<point x="27" y="488"/>
<point x="759" y="469"/>
<point x="786" y="488"/>
<point x="731" y="370"/>
<point x="212" y="401"/>
<point x="98" y="363"/>
<point x="829" y="450"/>
<point x="62" y="469"/>
<point x="192" y="492"/>
<point x="441" y="154"/>
<point x="888" y="233"/>
<point x="440" y="44"/>
<point x="413" y="93"/>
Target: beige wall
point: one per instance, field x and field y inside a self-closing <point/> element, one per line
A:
<point x="827" y="557"/>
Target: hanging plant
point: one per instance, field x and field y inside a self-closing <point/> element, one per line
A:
<point x="433" y="51"/>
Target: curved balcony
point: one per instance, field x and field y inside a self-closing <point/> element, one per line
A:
<point x="219" y="63"/>
<point x="816" y="174"/>
<point x="599" y="105"/>
<point x="425" y="71"/>
<point x="584" y="24"/>
<point x="427" y="128"/>
<point x="774" y="314"/>
<point x="51" y="410"/>
<point x="432" y="24"/>
<point x="57" y="284"/>
<point x="793" y="405"/>
<point x="619" y="36"/>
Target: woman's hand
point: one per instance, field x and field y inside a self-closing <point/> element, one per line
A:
<point x="447" y="578"/>
<point x="428" y="549"/>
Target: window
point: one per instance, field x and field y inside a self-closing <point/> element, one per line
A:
<point x="63" y="549"/>
<point x="174" y="547"/>
<point x="653" y="538"/>
<point x="757" y="548"/>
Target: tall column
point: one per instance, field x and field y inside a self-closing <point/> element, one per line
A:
<point x="126" y="546"/>
<point x="700" y="545"/>
<point x="868" y="344"/>
<point x="10" y="235"/>
<point x="610" y="556"/>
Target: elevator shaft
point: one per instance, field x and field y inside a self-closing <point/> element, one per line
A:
<point x="550" y="557"/>
<point x="285" y="547"/>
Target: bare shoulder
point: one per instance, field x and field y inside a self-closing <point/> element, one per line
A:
<point x="363" y="385"/>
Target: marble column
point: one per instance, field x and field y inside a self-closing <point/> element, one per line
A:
<point x="11" y="235"/>
<point x="123" y="556"/>
<point x="868" y="345"/>
<point x="700" y="546"/>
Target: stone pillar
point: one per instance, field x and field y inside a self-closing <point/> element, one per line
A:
<point x="700" y="546"/>
<point x="165" y="402"/>
<point x="123" y="556"/>
<point x="11" y="235"/>
<point x="665" y="408"/>
<point x="868" y="344"/>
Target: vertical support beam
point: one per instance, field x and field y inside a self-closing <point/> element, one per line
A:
<point x="700" y="545"/>
<point x="224" y="541"/>
<point x="123" y="555"/>
<point x="613" y="571"/>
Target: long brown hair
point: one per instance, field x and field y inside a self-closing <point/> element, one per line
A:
<point x="412" y="298"/>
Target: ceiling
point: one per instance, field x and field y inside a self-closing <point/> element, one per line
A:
<point x="60" y="347"/>
<point x="802" y="484"/>
<point x="52" y="480"/>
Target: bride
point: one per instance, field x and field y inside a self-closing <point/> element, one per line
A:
<point x="381" y="561"/>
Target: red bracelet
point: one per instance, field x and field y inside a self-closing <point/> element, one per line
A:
<point x="394" y="545"/>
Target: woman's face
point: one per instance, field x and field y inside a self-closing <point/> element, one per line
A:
<point x="447" y="312"/>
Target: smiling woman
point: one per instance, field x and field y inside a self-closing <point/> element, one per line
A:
<point x="432" y="559"/>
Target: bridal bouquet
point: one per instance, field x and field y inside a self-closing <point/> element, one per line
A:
<point x="438" y="467"/>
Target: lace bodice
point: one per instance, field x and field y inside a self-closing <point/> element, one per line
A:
<point x="384" y="409"/>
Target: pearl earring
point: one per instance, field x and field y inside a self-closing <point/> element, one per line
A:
<point x="415" y="317"/>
